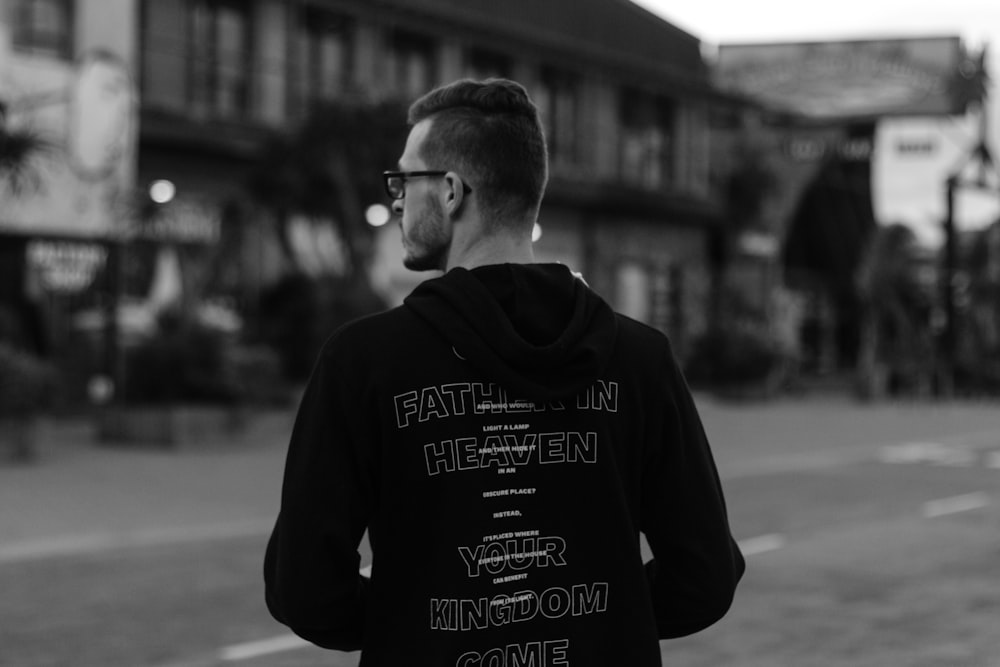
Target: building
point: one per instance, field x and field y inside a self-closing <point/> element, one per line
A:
<point x="625" y="99"/>
<point x="65" y="79"/>
<point x="624" y="96"/>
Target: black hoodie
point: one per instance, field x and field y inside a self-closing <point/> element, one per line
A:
<point x="504" y="437"/>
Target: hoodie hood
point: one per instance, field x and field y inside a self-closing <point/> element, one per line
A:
<point x="535" y="329"/>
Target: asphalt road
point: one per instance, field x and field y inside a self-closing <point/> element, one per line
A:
<point x="872" y="535"/>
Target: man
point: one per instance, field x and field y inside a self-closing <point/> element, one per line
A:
<point x="503" y="436"/>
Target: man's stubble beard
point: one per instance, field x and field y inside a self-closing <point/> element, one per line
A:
<point x="429" y="241"/>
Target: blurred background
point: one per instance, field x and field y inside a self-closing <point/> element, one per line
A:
<point x="804" y="199"/>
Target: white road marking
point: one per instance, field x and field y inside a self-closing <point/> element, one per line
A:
<point x="251" y="650"/>
<point x="935" y="453"/>
<point x="256" y="649"/>
<point x="955" y="504"/>
<point x="762" y="544"/>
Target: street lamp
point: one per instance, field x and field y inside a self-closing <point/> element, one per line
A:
<point x="949" y="341"/>
<point x="162" y="191"/>
<point x="377" y="215"/>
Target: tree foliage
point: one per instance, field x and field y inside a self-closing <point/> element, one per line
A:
<point x="896" y="345"/>
<point x="17" y="151"/>
<point x="329" y="168"/>
<point x="749" y="184"/>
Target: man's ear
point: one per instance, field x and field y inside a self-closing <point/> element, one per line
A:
<point x="454" y="193"/>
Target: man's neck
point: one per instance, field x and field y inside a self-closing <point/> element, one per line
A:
<point x="493" y="250"/>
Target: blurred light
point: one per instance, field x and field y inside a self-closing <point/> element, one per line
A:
<point x="377" y="215"/>
<point x="100" y="389"/>
<point x="536" y="233"/>
<point x="162" y="191"/>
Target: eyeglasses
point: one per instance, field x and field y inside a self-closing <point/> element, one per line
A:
<point x="395" y="181"/>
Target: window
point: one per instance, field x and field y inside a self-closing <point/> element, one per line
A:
<point x="483" y="64"/>
<point x="666" y="311"/>
<point x="558" y="102"/>
<point x="44" y="27"/>
<point x="220" y="48"/>
<point x="322" y="58"/>
<point x="653" y="292"/>
<point x="648" y="140"/>
<point x="411" y="65"/>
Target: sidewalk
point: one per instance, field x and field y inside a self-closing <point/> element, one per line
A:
<point x="80" y="495"/>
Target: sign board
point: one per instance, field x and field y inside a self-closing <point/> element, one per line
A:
<point x="847" y="80"/>
<point x="66" y="266"/>
<point x="814" y="149"/>
<point x="185" y="220"/>
<point x="85" y="114"/>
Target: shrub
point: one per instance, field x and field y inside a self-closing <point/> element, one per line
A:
<point x="25" y="382"/>
<point x="726" y="357"/>
<point x="184" y="361"/>
<point x="193" y="361"/>
<point x="260" y="376"/>
<point x="300" y="312"/>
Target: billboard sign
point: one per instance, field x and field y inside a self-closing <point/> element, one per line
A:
<point x="913" y="158"/>
<point x="84" y="114"/>
<point x="847" y="80"/>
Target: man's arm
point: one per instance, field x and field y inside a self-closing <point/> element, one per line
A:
<point x="696" y="563"/>
<point x="311" y="577"/>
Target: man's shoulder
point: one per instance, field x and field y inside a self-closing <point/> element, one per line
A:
<point x="643" y="344"/>
<point x="632" y="332"/>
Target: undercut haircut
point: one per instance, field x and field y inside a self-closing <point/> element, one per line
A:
<point x="490" y="133"/>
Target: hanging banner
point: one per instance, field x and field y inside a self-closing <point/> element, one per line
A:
<point x="848" y="80"/>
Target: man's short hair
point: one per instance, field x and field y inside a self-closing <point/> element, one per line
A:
<point x="489" y="132"/>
